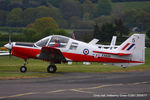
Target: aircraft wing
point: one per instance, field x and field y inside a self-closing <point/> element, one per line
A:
<point x="100" y="45"/>
<point x="114" y="53"/>
<point x="52" y="54"/>
<point x="4" y="53"/>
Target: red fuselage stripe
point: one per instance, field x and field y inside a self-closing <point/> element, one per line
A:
<point x="89" y="58"/>
<point x="26" y="53"/>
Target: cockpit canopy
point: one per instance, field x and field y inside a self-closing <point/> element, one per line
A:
<point x="53" y="41"/>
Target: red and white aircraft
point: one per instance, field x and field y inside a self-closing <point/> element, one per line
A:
<point x="57" y="49"/>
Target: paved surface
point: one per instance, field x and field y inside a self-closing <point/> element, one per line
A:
<point x="77" y="86"/>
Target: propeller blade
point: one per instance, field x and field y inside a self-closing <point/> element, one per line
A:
<point x="9" y="37"/>
<point x="10" y="43"/>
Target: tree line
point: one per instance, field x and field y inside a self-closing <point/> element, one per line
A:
<point x="75" y="14"/>
<point x="39" y="18"/>
<point x="40" y="28"/>
<point x="105" y="32"/>
<point x="128" y="0"/>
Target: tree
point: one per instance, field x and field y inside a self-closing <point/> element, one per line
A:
<point x="25" y="3"/>
<point x="143" y="19"/>
<point x="103" y="19"/>
<point x="56" y="3"/>
<point x="60" y="32"/>
<point x="74" y="22"/>
<point x="89" y="10"/>
<point x="15" y="4"/>
<point x="56" y="15"/>
<point x="129" y="17"/>
<point x="70" y="8"/>
<point x="30" y="14"/>
<point x="2" y="17"/>
<point x="43" y="24"/>
<point x="96" y="31"/>
<point x="29" y="34"/>
<point x="53" y="12"/>
<point x="43" y="11"/>
<point x="4" y="5"/>
<point x="104" y="7"/>
<point x="107" y="31"/>
<point x="15" y="17"/>
<point x="86" y="24"/>
<point x="117" y="11"/>
<point x="148" y="32"/>
<point x="121" y="28"/>
<point x="86" y="37"/>
<point x="147" y="9"/>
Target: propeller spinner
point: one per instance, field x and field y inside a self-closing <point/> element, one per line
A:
<point x="9" y="45"/>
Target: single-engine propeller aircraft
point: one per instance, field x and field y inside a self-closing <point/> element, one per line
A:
<point x="57" y="49"/>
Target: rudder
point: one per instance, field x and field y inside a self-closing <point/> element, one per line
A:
<point x="136" y="46"/>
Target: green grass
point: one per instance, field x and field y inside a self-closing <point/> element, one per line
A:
<point x="3" y="32"/>
<point x="6" y="32"/>
<point x="69" y="30"/>
<point x="133" y="5"/>
<point x="9" y="68"/>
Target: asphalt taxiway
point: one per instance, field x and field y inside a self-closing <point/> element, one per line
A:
<point x="77" y="86"/>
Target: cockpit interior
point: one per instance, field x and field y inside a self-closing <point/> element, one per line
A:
<point x="53" y="41"/>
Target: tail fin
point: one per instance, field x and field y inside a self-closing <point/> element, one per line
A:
<point x="136" y="46"/>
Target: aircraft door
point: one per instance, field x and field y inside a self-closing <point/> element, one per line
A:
<point x="73" y="46"/>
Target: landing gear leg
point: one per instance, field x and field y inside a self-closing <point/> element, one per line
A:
<point x="23" y="69"/>
<point x="51" y="68"/>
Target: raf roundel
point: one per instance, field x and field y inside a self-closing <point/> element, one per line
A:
<point x="85" y="51"/>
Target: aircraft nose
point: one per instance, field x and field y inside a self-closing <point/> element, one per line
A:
<point x="8" y="45"/>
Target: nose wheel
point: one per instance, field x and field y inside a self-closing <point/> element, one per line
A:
<point x="51" y="69"/>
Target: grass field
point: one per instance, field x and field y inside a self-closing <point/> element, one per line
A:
<point x="133" y="5"/>
<point x="9" y="68"/>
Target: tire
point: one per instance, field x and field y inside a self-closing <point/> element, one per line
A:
<point x="51" y="69"/>
<point x="23" y="69"/>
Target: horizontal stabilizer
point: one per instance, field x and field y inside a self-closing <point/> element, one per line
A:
<point x="93" y="42"/>
<point x="116" y="53"/>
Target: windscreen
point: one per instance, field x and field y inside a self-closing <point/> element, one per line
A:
<point x="42" y="42"/>
<point x="58" y="41"/>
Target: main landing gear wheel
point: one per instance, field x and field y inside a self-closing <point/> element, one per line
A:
<point x="51" y="69"/>
<point x="23" y="69"/>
